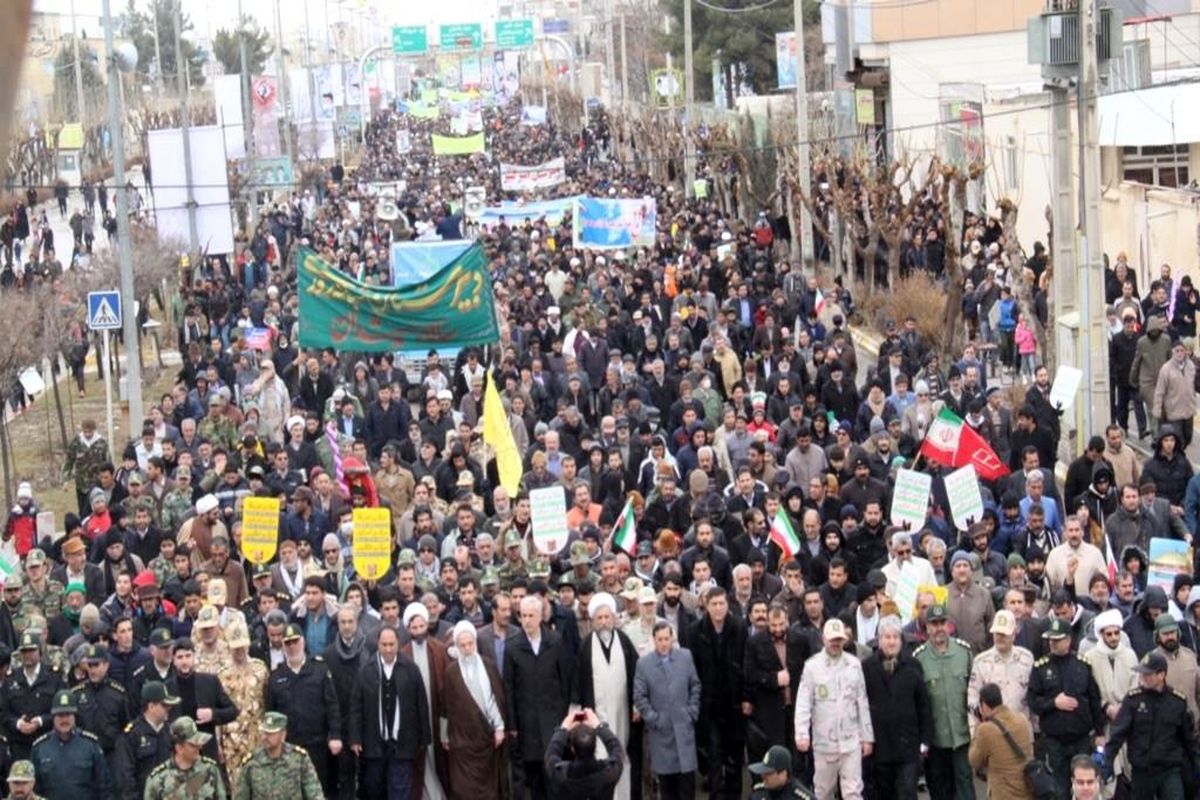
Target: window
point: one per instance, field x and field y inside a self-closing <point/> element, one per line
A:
<point x="1158" y="165"/>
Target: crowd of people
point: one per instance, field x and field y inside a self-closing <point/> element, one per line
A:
<point x="719" y="401"/>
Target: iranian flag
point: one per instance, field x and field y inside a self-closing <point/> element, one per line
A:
<point x="624" y="532"/>
<point x="819" y="302"/>
<point x="784" y="535"/>
<point x="1110" y="561"/>
<point x="953" y="443"/>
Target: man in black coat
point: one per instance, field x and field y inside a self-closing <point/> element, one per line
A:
<point x="389" y="719"/>
<point x="345" y="658"/>
<point x="537" y="687"/>
<point x="28" y="696"/>
<point x="386" y="420"/>
<point x="718" y="644"/>
<point x="771" y="682"/>
<point x="571" y="763"/>
<point x="303" y="689"/>
<point x="201" y="696"/>
<point x="900" y="715"/>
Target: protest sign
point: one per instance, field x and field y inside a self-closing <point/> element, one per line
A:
<point x="548" y="512"/>
<point x="1065" y="386"/>
<point x="517" y="178"/>
<point x="601" y="223"/>
<point x="372" y="547"/>
<point x="1168" y="558"/>
<point x="910" y="499"/>
<point x="966" y="503"/>
<point x="260" y="528"/>
<point x="457" y="145"/>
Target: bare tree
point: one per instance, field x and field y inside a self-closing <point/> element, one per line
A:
<point x="20" y="348"/>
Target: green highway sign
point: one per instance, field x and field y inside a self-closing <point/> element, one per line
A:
<point x="409" y="40"/>
<point x="463" y="36"/>
<point x="514" y="34"/>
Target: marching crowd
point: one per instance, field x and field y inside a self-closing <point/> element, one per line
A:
<point x="766" y="616"/>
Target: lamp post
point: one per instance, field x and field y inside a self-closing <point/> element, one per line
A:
<point x="123" y="60"/>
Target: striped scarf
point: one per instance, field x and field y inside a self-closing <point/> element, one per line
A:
<point x="332" y="437"/>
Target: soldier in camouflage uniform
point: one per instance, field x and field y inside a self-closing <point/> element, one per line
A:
<point x="86" y="454"/>
<point x="21" y="781"/>
<point x="212" y="653"/>
<point x="14" y="584"/>
<point x="278" y="770"/>
<point x="539" y="569"/>
<point x="163" y="564"/>
<point x="514" y="565"/>
<point x="41" y="595"/>
<point x="178" y="504"/>
<point x="245" y="681"/>
<point x="186" y="775"/>
<point x="217" y="428"/>
<point x="489" y="583"/>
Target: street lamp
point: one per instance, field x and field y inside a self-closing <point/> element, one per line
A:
<point x="123" y="59"/>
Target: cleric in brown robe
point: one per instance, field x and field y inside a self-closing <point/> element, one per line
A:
<point x="429" y="656"/>
<point x="473" y="720"/>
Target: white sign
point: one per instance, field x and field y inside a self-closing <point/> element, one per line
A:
<point x="966" y="503"/>
<point x="474" y="201"/>
<point x="403" y="141"/>
<point x="906" y="594"/>
<point x="548" y="512"/>
<point x="516" y="178"/>
<point x="1066" y="384"/>
<point x="910" y="499"/>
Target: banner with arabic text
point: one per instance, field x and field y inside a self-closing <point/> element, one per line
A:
<point x="453" y="308"/>
<point x="518" y="213"/>
<point x="601" y="223"/>
<point x="516" y="178"/>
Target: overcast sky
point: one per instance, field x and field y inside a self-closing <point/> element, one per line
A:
<point x="210" y="15"/>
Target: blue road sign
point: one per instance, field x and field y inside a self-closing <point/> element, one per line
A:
<point x="104" y="310"/>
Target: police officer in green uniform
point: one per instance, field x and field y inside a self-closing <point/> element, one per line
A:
<point x="69" y="762"/>
<point x="776" y="781"/>
<point x="946" y="664"/>
<point x="1155" y="723"/>
<point x="1064" y="695"/>
<point x="22" y="779"/>
<point x="186" y="775"/>
<point x="145" y="743"/>
<point x="28" y="696"/>
<point x="278" y="770"/>
<point x="103" y="707"/>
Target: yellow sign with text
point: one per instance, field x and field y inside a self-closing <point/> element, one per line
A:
<point x="260" y="528"/>
<point x="372" y="548"/>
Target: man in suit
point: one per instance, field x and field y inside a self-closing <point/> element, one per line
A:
<point x="201" y="696"/>
<point x="348" y="423"/>
<point x="774" y="662"/>
<point x="389" y="690"/>
<point x="666" y="692"/>
<point x="493" y="638"/>
<point x="78" y="570"/>
<point x="537" y="685"/>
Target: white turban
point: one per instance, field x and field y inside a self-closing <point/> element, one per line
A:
<point x="602" y="600"/>
<point x="415" y="610"/>
<point x="461" y="627"/>
<point x="1108" y="619"/>
<point x="206" y="504"/>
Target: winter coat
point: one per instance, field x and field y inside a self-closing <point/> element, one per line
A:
<point x="1175" y="391"/>
<point x="667" y="695"/>
<point x="900" y="709"/>
<point x="1149" y="357"/>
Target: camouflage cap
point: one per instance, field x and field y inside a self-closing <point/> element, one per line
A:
<point x="13" y="581"/>
<point x="185" y="731"/>
<point x="407" y="556"/>
<point x="207" y="618"/>
<point x="274" y="722"/>
<point x="512" y="539"/>
<point x="539" y="568"/>
<point x="490" y="577"/>
<point x="579" y="554"/>
<point x="21" y="772"/>
<point x="35" y="557"/>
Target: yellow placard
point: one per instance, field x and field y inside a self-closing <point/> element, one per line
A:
<point x="260" y="528"/>
<point x="372" y="548"/>
<point x="864" y="106"/>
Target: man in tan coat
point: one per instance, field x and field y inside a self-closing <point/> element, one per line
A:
<point x="1183" y="673"/>
<point x="1175" y="391"/>
<point x="991" y="751"/>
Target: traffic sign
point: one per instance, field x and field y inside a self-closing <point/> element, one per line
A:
<point x="104" y="310"/>
<point x="462" y="36"/>
<point x="550" y="26"/>
<point x="409" y="40"/>
<point x="514" y="34"/>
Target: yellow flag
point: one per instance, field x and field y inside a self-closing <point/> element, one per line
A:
<point x="498" y="434"/>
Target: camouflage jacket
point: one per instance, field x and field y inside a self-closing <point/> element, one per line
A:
<point x="201" y="782"/>
<point x="289" y="777"/>
<point x="84" y="462"/>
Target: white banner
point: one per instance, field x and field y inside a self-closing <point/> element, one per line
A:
<point x="227" y="94"/>
<point x="515" y="178"/>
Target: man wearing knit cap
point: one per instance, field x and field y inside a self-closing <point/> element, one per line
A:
<point x="969" y="605"/>
<point x="605" y="667"/>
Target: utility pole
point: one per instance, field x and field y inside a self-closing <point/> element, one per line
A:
<point x="78" y="69"/>
<point x="158" y="65"/>
<point x="802" y="160"/>
<point x="1095" y="410"/>
<point x="181" y="70"/>
<point x="281" y="68"/>
<point x="116" y="124"/>
<point x="689" y="149"/>
<point x="245" y="83"/>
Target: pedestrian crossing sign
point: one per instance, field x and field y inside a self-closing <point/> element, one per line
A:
<point x="104" y="310"/>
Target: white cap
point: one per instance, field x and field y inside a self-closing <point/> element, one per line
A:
<point x="445" y="394"/>
<point x="1004" y="622"/>
<point x="415" y="610"/>
<point x="553" y="311"/>
<point x="206" y="504"/>
<point x="834" y="629"/>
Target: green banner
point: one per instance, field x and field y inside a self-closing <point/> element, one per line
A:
<point x="453" y="308"/>
<point x="457" y="145"/>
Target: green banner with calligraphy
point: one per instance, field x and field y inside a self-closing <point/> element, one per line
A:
<point x="452" y="308"/>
